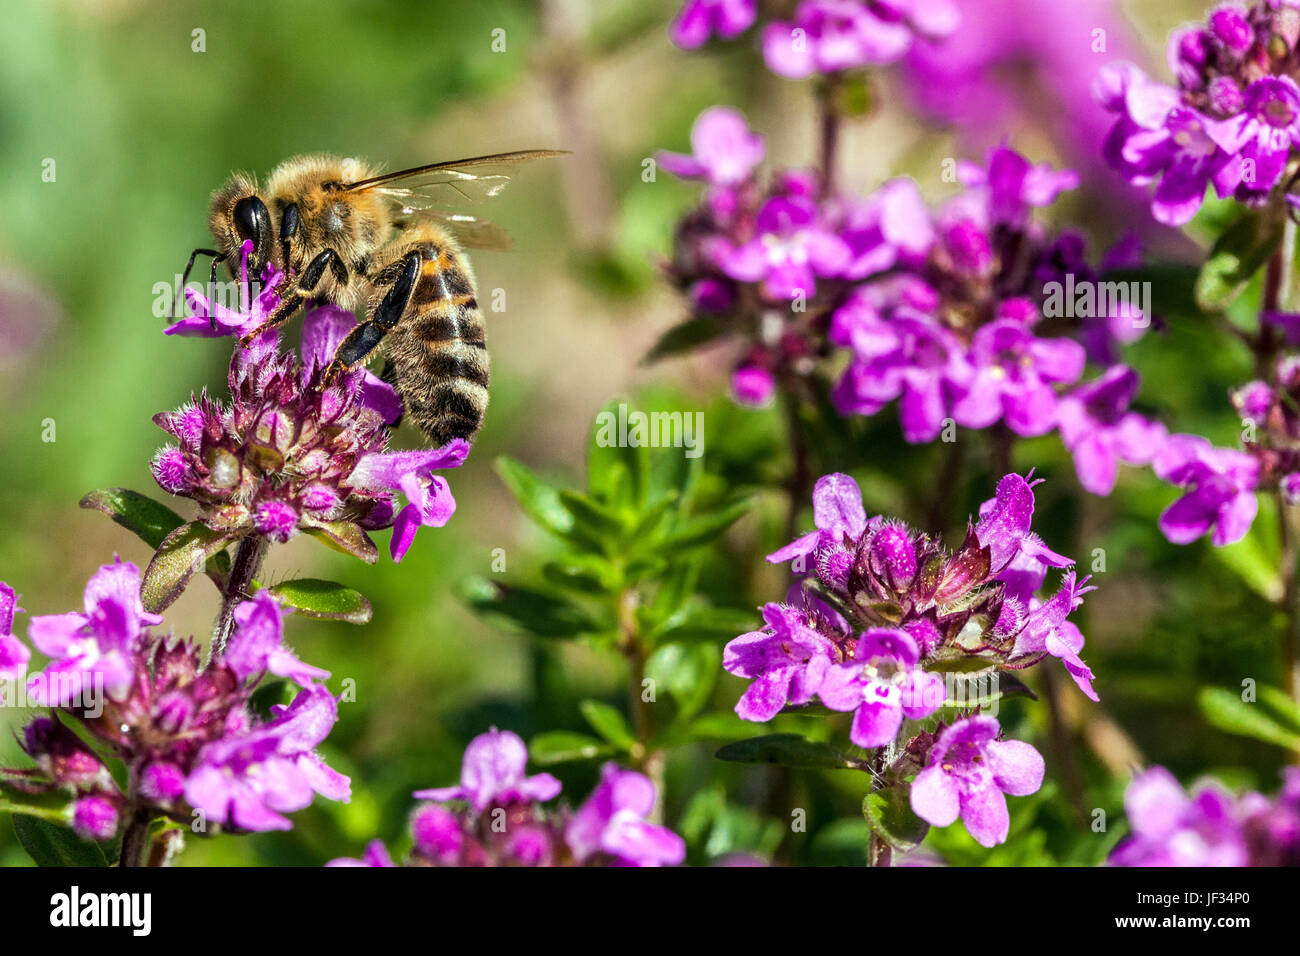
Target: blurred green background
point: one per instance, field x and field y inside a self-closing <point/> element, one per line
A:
<point x="141" y="127"/>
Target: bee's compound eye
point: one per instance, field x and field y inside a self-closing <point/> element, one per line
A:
<point x="251" y="218"/>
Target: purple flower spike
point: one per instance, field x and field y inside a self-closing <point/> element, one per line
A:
<point x="786" y="661"/>
<point x="967" y="774"/>
<point x="613" y="822"/>
<point x="13" y="652"/>
<point x="883" y="684"/>
<point x="493" y="774"/>
<point x="1220" y="490"/>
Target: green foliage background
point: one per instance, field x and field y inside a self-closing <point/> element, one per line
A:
<point x="142" y="128"/>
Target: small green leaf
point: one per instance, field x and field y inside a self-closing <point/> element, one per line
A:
<point x="184" y="551"/>
<point x="686" y="337"/>
<point x="586" y="574"/>
<point x="562" y="746"/>
<point x="323" y="600"/>
<point x="710" y="624"/>
<point x="889" y="814"/>
<point x="52" y="845"/>
<point x="609" y="722"/>
<point x="539" y="499"/>
<point x="1239" y="253"/>
<point x="618" y="471"/>
<point x="1226" y="710"/>
<point x="687" y="671"/>
<point x="788" y="750"/>
<point x="528" y="610"/>
<point x="703" y="529"/>
<point x="268" y="695"/>
<point x="597" y="522"/>
<point x="144" y="517"/>
<point x="345" y="536"/>
<point x="723" y="727"/>
<point x="51" y="805"/>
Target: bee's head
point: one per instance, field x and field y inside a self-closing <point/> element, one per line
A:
<point x="238" y="214"/>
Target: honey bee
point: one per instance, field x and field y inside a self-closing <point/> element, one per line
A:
<point x="342" y="232"/>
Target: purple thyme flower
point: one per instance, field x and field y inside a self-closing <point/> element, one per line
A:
<point x="1261" y="136"/>
<point x="1172" y="829"/>
<point x="376" y="855"/>
<point x="967" y="774"/>
<point x="787" y="661"/>
<point x="13" y="652"/>
<point x="494" y="774"/>
<point x="93" y="646"/>
<point x="1045" y="630"/>
<point x="249" y="779"/>
<point x="700" y="20"/>
<point x="890" y="227"/>
<point x="613" y="822"/>
<point x="883" y="684"/>
<point x="724" y="151"/>
<point x="214" y="320"/>
<point x="257" y="646"/>
<point x="291" y="454"/>
<point x="1100" y="432"/>
<point x="828" y="36"/>
<point x="184" y="731"/>
<point x="1220" y="490"/>
<point x="793" y="248"/>
<point x="1010" y="185"/>
<point x="1013" y="371"/>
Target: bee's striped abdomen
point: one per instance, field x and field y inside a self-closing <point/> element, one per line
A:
<point x="439" y="349"/>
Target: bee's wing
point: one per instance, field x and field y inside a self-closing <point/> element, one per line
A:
<point x="452" y="183"/>
<point x="471" y="231"/>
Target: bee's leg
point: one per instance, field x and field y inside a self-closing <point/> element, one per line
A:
<point x="288" y="229"/>
<point x="311" y="276"/>
<point x="189" y="267"/>
<point x="363" y="340"/>
<point x="212" y="281"/>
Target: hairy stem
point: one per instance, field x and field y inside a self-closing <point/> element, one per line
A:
<point x="829" y="116"/>
<point x="136" y="844"/>
<point x="249" y="555"/>
<point x="645" y="758"/>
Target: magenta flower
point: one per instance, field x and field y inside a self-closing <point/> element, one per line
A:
<point x="1013" y="371"/>
<point x="1100" y="432"/>
<point x="1010" y="186"/>
<point x="967" y="773"/>
<point x="1045" y="630"/>
<point x="1172" y="829"/>
<point x="787" y="662"/>
<point x="724" y="150"/>
<point x="1262" y="134"/>
<point x="493" y="774"/>
<point x="890" y="227"/>
<point x="882" y="685"/>
<point x="376" y="855"/>
<point x="792" y="250"/>
<point x="291" y="454"/>
<point x="1219" y="488"/>
<point x="248" y="780"/>
<point x="613" y="822"/>
<point x="209" y="319"/>
<point x="257" y="646"/>
<point x="13" y="652"/>
<point x="829" y="36"/>
<point x="184" y="731"/>
<point x="94" y="648"/>
<point x="700" y="20"/>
